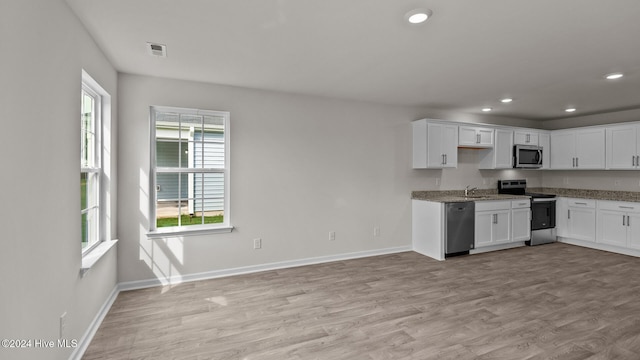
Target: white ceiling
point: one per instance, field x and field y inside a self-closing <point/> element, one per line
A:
<point x="546" y="54"/>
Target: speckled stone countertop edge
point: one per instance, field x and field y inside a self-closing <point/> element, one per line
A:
<point x="492" y="194"/>
<point x="612" y="195"/>
<point x="446" y="196"/>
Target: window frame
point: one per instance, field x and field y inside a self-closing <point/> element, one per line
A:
<point x="88" y="87"/>
<point x="154" y="170"/>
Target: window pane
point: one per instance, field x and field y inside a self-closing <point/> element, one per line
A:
<point x="207" y="154"/>
<point x="85" y="235"/>
<point x="89" y="227"/>
<point x="83" y="191"/>
<point x="171" y="186"/>
<point x="87" y="157"/>
<point x="172" y="154"/>
<point x="167" y="212"/>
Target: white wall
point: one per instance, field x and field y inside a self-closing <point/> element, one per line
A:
<point x="300" y="167"/>
<point x="43" y="49"/>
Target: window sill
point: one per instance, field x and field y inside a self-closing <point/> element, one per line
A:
<point x="175" y="231"/>
<point x="92" y="257"/>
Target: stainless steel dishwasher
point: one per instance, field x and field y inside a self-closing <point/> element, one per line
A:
<point x="459" y="227"/>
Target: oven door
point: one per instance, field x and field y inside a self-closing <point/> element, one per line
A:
<point x="543" y="214"/>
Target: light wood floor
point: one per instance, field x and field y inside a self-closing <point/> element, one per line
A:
<point x="553" y="301"/>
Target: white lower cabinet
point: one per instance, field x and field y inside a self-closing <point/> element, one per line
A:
<point x="576" y="218"/>
<point x="493" y="223"/>
<point x="619" y="224"/>
<point x="520" y="220"/>
<point x="581" y="219"/>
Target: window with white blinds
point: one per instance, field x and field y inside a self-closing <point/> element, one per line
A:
<point x="190" y="169"/>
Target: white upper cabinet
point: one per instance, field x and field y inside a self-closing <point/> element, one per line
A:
<point x="475" y="137"/>
<point x="434" y="145"/>
<point x="544" y="141"/>
<point x="501" y="155"/>
<point x="578" y="149"/>
<point x="623" y="147"/>
<point x="525" y="137"/>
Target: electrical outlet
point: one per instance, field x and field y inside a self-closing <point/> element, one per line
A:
<point x="332" y="235"/>
<point x="257" y="243"/>
<point x="63" y="325"/>
<point x="376" y="231"/>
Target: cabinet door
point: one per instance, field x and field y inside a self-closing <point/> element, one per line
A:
<point x="475" y="136"/>
<point x="521" y="224"/>
<point x="633" y="228"/>
<point x="467" y="136"/>
<point x="621" y="147"/>
<point x="485" y="137"/>
<point x="449" y="145"/>
<point x="503" y="149"/>
<point x="562" y="150"/>
<point x="525" y="138"/>
<point x="562" y="217"/>
<point x="483" y="228"/>
<point x="612" y="228"/>
<point x="582" y="224"/>
<point x="544" y="141"/>
<point x="435" y="155"/>
<point x="502" y="227"/>
<point x="590" y="148"/>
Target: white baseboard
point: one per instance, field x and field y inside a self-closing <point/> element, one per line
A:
<point x="141" y="284"/>
<point x="84" y="342"/>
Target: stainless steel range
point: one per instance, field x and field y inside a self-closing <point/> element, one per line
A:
<point x="543" y="211"/>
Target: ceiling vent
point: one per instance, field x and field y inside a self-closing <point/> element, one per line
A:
<point x="157" y="49"/>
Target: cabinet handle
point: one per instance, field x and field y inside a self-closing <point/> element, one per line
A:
<point x="574" y="162"/>
<point x="581" y="203"/>
<point x="495" y="218"/>
<point x="626" y="207"/>
<point x="477" y="138"/>
<point x="628" y="220"/>
<point x="445" y="159"/>
<point x="528" y="138"/>
<point x="624" y="217"/>
<point x="577" y="162"/>
<point x="568" y="214"/>
<point x="633" y="160"/>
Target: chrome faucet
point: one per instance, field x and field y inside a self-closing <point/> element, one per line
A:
<point x="467" y="190"/>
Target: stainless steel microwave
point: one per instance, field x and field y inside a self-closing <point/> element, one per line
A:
<point x="527" y="156"/>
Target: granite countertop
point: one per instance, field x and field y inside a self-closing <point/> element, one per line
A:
<point x="492" y="194"/>
<point x="633" y="196"/>
<point x="458" y="196"/>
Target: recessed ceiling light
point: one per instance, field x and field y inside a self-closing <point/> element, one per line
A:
<point x="506" y="100"/>
<point x="570" y="110"/>
<point x="614" y="76"/>
<point x="486" y="109"/>
<point x="418" y="16"/>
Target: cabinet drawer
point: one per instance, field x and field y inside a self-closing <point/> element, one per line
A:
<point x="624" y="206"/>
<point x="493" y="205"/>
<point x="585" y="203"/>
<point x="520" y="204"/>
